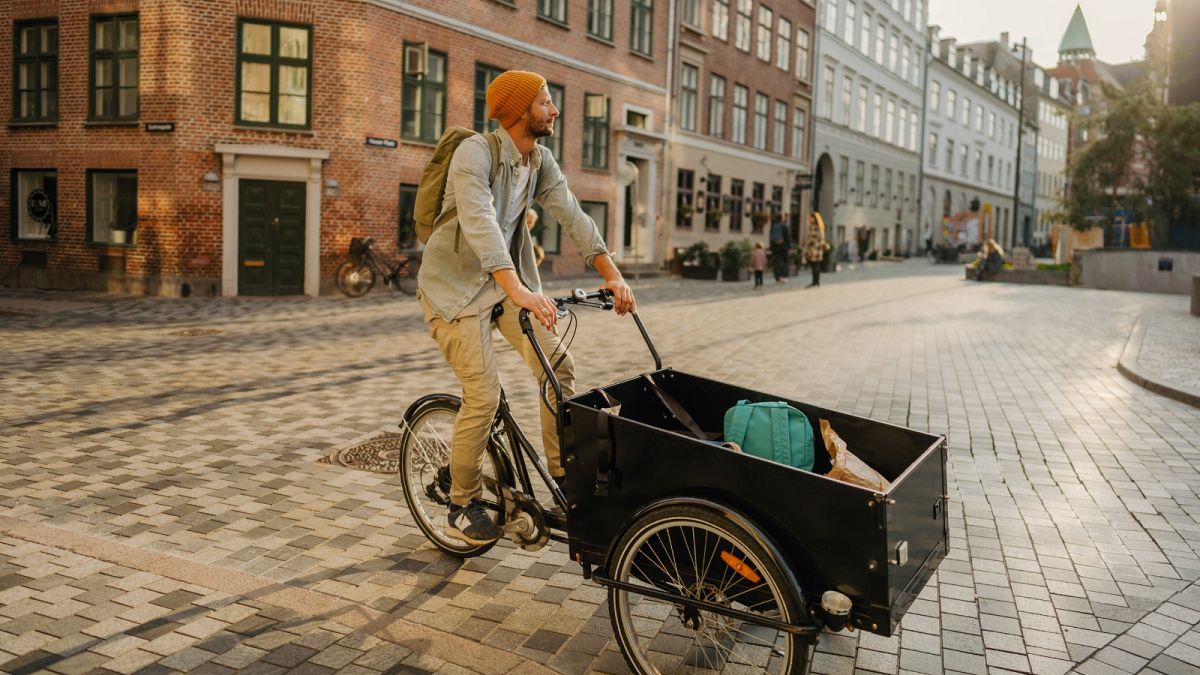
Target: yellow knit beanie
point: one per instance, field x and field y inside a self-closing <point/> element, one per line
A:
<point x="511" y="94"/>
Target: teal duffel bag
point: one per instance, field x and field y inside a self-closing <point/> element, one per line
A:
<point x="772" y="430"/>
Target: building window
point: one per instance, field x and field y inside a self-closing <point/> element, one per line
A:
<point x="684" y="196"/>
<point x="860" y="170"/>
<point x="861" y="119"/>
<point x="34" y="204"/>
<point x="880" y="32"/>
<point x="598" y="211"/>
<point x="691" y="13"/>
<point x="783" y="45"/>
<point x="893" y="52"/>
<point x="991" y="128"/>
<point x="847" y="93"/>
<point x="484" y="74"/>
<point x="950" y="155"/>
<point x="906" y="61"/>
<point x="555" y="141"/>
<point x="876" y="114"/>
<point x="979" y="118"/>
<point x="913" y="137"/>
<point x="864" y="32"/>
<point x="874" y="185"/>
<point x="737" y="192"/>
<point x="406" y="233"/>
<point x="848" y="25"/>
<point x="935" y="96"/>
<point x="741" y="101"/>
<point x="902" y="130"/>
<point x="741" y="27"/>
<point x="966" y="112"/>
<point x="761" y="103"/>
<point x="712" y="203"/>
<point x="595" y="131"/>
<point x="831" y="11"/>
<point x="889" y="124"/>
<point x="776" y="203"/>
<point x="716" y="106"/>
<point x="641" y="27"/>
<point x="978" y="164"/>
<point x="802" y="54"/>
<point x="962" y="159"/>
<point x="274" y="71"/>
<point x="720" y="19"/>
<point x="554" y="10"/>
<point x="689" y="84"/>
<point x="423" y="113"/>
<point x="779" y="133"/>
<point x="951" y="103"/>
<point x="600" y="19"/>
<point x="912" y="191"/>
<point x="827" y="99"/>
<point x="765" y="19"/>
<point x="844" y="179"/>
<point x="798" y="121"/>
<point x="35" y="66"/>
<point x="887" y="189"/>
<point x="991" y="169"/>
<point x="111" y="206"/>
<point x="758" y="208"/>
<point x="114" y="68"/>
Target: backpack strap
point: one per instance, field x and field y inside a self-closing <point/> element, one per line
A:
<point x="494" y="146"/>
<point x="739" y="422"/>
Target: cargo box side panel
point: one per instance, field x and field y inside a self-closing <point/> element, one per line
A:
<point x="917" y="529"/>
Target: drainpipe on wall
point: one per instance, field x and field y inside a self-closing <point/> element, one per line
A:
<point x="921" y="140"/>
<point x="669" y="125"/>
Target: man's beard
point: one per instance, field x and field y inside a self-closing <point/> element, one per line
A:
<point x="540" y="132"/>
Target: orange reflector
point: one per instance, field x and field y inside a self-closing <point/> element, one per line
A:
<point x="740" y="567"/>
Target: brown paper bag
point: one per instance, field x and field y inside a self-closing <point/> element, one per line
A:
<point x="847" y="467"/>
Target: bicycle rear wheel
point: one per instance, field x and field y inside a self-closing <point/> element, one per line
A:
<point x="406" y="276"/>
<point x="701" y="554"/>
<point x="354" y="279"/>
<point x="425" y="474"/>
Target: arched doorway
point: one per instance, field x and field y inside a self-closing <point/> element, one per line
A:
<point x="823" y="196"/>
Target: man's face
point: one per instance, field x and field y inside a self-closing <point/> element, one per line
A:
<point x="539" y="119"/>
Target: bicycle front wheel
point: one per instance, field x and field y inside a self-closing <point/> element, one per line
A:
<point x="425" y="473"/>
<point x="406" y="276"/>
<point x="701" y="554"/>
<point x="355" y="279"/>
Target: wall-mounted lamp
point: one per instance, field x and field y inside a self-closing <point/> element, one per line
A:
<point x="332" y="187"/>
<point x="212" y="182"/>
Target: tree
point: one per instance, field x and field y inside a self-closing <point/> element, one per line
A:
<point x="1173" y="141"/>
<point x="1097" y="174"/>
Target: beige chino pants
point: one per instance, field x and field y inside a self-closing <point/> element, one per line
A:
<point x="466" y="344"/>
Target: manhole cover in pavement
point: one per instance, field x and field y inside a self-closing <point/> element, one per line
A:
<point x="195" y="332"/>
<point x="380" y="454"/>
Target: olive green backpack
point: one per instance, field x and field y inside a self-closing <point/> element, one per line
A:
<point x="427" y="210"/>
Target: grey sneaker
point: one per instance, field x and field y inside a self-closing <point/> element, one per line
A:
<point x="473" y="524"/>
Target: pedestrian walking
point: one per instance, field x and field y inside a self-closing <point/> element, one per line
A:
<point x="781" y="243"/>
<point x="758" y="263"/>
<point x="864" y="240"/>
<point x="478" y="269"/>
<point x="814" y="246"/>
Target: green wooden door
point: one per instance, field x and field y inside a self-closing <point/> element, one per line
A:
<point x="270" y="237"/>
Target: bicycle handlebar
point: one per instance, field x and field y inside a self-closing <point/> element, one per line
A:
<point x="583" y="298"/>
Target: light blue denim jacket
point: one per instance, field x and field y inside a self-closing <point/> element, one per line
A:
<point x="461" y="254"/>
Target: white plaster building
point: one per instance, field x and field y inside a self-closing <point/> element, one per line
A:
<point x="869" y="77"/>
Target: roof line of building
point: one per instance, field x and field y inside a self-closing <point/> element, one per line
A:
<point x="483" y="34"/>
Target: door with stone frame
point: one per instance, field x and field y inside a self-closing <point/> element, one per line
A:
<point x="270" y="237"/>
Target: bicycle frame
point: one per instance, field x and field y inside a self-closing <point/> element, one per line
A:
<point x="521" y="454"/>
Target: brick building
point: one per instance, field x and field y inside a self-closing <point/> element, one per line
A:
<point x="235" y="146"/>
<point x="742" y="122"/>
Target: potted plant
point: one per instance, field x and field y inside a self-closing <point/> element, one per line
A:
<point x="712" y="219"/>
<point x="760" y="218"/>
<point x="735" y="260"/>
<point x="697" y="262"/>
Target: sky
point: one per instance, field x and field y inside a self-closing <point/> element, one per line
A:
<point x="1118" y="27"/>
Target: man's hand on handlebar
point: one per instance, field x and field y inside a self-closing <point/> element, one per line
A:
<point x="622" y="296"/>
<point x="540" y="307"/>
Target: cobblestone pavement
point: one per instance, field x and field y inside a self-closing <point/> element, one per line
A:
<point x="1170" y="347"/>
<point x="162" y="507"/>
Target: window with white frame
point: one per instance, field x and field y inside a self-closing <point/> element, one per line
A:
<point x="765" y="19"/>
<point x="716" y="106"/>
<point x="798" y="120"/>
<point x="860" y="171"/>
<point x="991" y="127"/>
<point x="831" y="12"/>
<point x="962" y="159"/>
<point x="913" y="134"/>
<point x="978" y="164"/>
<point x="918" y="70"/>
<point x="720" y="19"/>
<point x="783" y="44"/>
<point x="827" y="99"/>
<point x="951" y="103"/>
<point x="741" y="101"/>
<point x="935" y="96"/>
<point x="848" y="27"/>
<point x="689" y="84"/>
<point x="864" y="32"/>
<point x="905" y="60"/>
<point x="876" y="114"/>
<point x="902" y="130"/>
<point x="880" y="42"/>
<point x="950" y="154"/>
<point x="847" y="93"/>
<point x="889" y="128"/>
<point x="861" y="118"/>
<point x="844" y="179"/>
<point x="931" y="151"/>
<point x="802" y="54"/>
<point x="893" y="52"/>
<point x="979" y="118"/>
<point x="761" y="104"/>
<point x="779" y="128"/>
<point x="874" y="185"/>
<point x="966" y="112"/>
<point x="741" y="28"/>
<point x="887" y="189"/>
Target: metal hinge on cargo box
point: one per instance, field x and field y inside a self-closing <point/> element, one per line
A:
<point x="899" y="554"/>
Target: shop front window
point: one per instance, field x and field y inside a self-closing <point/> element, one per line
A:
<point x="35" y="204"/>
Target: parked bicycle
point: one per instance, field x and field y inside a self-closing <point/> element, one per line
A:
<point x="357" y="276"/>
<point x="714" y="560"/>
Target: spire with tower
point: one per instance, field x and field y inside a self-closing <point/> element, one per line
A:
<point x="1076" y="43"/>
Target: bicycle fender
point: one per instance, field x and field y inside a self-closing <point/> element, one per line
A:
<point x="423" y="401"/>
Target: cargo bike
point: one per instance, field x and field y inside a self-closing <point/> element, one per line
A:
<point x="713" y="560"/>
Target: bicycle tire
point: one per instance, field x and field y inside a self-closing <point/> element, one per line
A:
<point x="424" y="450"/>
<point x="406" y="276"/>
<point x="665" y="549"/>
<point x="354" y="279"/>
